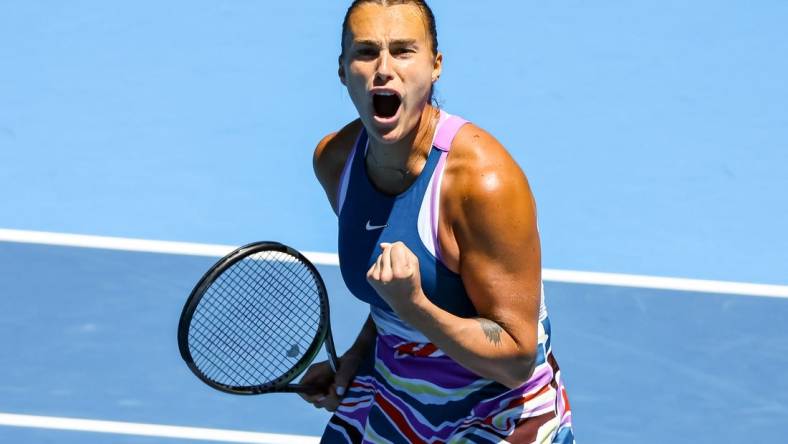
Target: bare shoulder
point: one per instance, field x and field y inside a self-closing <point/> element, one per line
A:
<point x="333" y="149"/>
<point x="481" y="168"/>
<point x="487" y="208"/>
<point x="330" y="156"/>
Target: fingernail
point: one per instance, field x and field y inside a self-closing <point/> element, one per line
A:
<point x="321" y="399"/>
<point x="340" y="391"/>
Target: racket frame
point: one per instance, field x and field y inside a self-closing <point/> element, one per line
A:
<point x="281" y="384"/>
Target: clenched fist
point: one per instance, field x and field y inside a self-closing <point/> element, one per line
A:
<point x="396" y="278"/>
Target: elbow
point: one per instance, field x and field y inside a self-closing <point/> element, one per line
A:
<point x="518" y="372"/>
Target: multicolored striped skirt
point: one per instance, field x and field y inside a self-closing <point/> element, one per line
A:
<point x="413" y="393"/>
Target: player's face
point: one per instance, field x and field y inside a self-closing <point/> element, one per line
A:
<point x="389" y="68"/>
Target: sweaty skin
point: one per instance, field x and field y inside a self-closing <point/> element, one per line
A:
<point x="487" y="230"/>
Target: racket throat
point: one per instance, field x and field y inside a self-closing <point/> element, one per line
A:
<point x="331" y="351"/>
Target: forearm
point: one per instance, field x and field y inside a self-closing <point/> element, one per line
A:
<point x="365" y="339"/>
<point x="480" y="345"/>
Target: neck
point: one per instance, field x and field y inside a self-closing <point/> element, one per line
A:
<point x="409" y="152"/>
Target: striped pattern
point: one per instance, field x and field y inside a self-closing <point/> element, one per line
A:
<point x="413" y="393"/>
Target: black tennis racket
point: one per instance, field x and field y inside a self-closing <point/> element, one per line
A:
<point x="256" y="320"/>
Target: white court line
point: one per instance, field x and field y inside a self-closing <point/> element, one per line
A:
<point x="140" y="245"/>
<point x="161" y="431"/>
<point x="665" y="283"/>
<point x="551" y="275"/>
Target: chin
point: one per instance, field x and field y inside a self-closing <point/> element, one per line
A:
<point x="382" y="134"/>
<point x="391" y="134"/>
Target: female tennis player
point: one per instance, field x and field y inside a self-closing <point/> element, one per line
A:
<point x="437" y="233"/>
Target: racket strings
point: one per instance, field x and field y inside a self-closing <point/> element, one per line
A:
<point x="215" y="368"/>
<point x="248" y="345"/>
<point x="301" y="317"/>
<point x="249" y="323"/>
<point x="244" y="349"/>
<point x="228" y="342"/>
<point x="231" y="342"/>
<point x="305" y="295"/>
<point x="256" y="320"/>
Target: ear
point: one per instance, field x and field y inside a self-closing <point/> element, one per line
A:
<point x="437" y="67"/>
<point x="341" y="72"/>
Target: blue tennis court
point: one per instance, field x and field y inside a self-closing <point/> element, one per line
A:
<point x="90" y="333"/>
<point x="654" y="136"/>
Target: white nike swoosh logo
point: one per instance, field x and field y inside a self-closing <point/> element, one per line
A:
<point x="374" y="227"/>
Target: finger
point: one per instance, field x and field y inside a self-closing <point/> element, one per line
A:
<point x="341" y="385"/>
<point x="328" y="402"/>
<point x="385" y="263"/>
<point x="320" y="377"/>
<point x="400" y="261"/>
<point x="333" y="405"/>
<point x="313" y="398"/>
<point x="308" y="397"/>
<point x="342" y="380"/>
<point x="378" y="267"/>
<point x="371" y="271"/>
<point x="318" y="403"/>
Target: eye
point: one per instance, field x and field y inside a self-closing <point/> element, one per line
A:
<point x="367" y="53"/>
<point x="402" y="52"/>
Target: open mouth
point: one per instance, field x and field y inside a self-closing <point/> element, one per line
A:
<point x="386" y="104"/>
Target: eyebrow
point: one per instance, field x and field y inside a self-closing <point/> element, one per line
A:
<point x="398" y="42"/>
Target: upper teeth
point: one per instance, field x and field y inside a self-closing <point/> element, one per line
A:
<point x="385" y="93"/>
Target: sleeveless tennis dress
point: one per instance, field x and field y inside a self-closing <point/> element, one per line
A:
<point x="407" y="390"/>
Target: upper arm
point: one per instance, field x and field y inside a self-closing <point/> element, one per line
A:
<point x="494" y="225"/>
<point x="329" y="159"/>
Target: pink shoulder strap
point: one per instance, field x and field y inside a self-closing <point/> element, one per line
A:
<point x="448" y="130"/>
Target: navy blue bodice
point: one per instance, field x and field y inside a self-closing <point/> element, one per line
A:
<point x="366" y="209"/>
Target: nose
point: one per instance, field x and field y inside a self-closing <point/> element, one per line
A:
<point x="383" y="73"/>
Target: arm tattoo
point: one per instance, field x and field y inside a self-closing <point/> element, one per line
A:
<point x="491" y="330"/>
